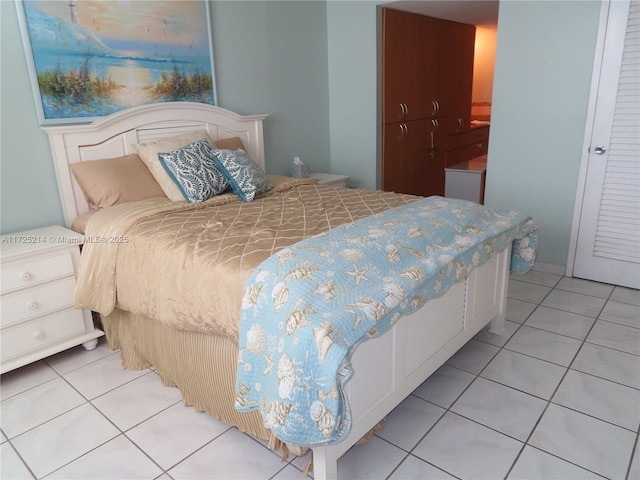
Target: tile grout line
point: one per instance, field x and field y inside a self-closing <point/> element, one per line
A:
<point x="448" y="409"/>
<point x="24" y="462"/>
<point x="122" y="432"/>
<point x="88" y="401"/>
<point x="502" y="347"/>
<point x="634" y="450"/>
<point x="549" y="401"/>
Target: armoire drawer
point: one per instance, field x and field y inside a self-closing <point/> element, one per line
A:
<point x="480" y="134"/>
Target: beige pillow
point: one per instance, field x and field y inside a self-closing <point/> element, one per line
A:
<point x="231" y="143"/>
<point x="79" y="223"/>
<point x="149" y="154"/>
<point x="111" y="181"/>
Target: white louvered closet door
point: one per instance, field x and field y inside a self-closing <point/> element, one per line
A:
<point x="608" y="240"/>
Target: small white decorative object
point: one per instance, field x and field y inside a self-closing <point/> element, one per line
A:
<point x="299" y="169"/>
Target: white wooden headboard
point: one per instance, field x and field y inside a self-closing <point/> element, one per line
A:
<point x="114" y="135"/>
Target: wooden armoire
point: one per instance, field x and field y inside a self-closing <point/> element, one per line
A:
<point x="427" y="82"/>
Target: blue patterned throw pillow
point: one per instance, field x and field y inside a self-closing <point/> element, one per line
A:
<point x="192" y="168"/>
<point x="245" y="176"/>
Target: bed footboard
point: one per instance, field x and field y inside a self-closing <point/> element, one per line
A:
<point x="388" y="368"/>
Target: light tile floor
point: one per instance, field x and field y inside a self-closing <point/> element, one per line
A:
<point x="557" y="396"/>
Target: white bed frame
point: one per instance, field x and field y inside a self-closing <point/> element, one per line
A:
<point x="386" y="369"/>
<point x="113" y="136"/>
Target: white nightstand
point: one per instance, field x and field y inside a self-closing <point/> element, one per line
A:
<point x="38" y="277"/>
<point x="331" y="179"/>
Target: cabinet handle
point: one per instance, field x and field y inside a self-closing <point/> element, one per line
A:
<point x="479" y="145"/>
<point x="38" y="335"/>
<point x="403" y="131"/>
<point x="404" y="111"/>
<point x="434" y="104"/>
<point x="32" y="305"/>
<point x="460" y="124"/>
<point x="25" y="276"/>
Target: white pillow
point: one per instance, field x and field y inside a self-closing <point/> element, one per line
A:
<point x="149" y="154"/>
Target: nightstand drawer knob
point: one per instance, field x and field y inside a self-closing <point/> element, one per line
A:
<point x="25" y="276"/>
<point x="32" y="305"/>
<point x="38" y="335"/>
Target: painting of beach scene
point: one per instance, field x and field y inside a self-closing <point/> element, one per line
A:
<point x="90" y="58"/>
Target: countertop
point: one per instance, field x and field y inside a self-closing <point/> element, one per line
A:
<point x="475" y="165"/>
<point x="479" y="124"/>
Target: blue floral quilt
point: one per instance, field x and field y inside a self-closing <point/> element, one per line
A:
<point x="307" y="307"/>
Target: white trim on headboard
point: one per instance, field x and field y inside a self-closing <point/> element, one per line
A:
<point x="114" y="135"/>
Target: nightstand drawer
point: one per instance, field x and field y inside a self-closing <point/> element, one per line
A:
<point x="36" y="271"/>
<point x="36" y="301"/>
<point x="40" y="332"/>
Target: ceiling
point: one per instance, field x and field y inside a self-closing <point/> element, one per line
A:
<point x="482" y="13"/>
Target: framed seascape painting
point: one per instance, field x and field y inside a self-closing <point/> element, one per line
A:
<point x="90" y="58"/>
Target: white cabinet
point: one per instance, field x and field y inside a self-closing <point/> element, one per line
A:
<point x="38" y="277"/>
<point x="466" y="180"/>
<point x="331" y="179"/>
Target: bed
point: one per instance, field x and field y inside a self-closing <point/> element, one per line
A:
<point x="171" y="280"/>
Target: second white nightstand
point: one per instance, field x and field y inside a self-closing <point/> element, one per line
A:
<point x="331" y="179"/>
<point x="38" y="272"/>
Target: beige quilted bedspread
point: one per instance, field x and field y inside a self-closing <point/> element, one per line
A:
<point x="186" y="264"/>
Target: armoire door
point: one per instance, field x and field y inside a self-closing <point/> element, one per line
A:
<point x="414" y="157"/>
<point x="409" y="66"/>
<point x="457" y="53"/>
<point x="395" y="165"/>
<point x="607" y="234"/>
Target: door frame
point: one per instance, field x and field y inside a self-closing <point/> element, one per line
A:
<point x="588" y="133"/>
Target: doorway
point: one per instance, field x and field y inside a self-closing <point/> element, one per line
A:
<point x="471" y="108"/>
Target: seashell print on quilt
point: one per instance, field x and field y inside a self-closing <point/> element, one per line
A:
<point x="315" y="306"/>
